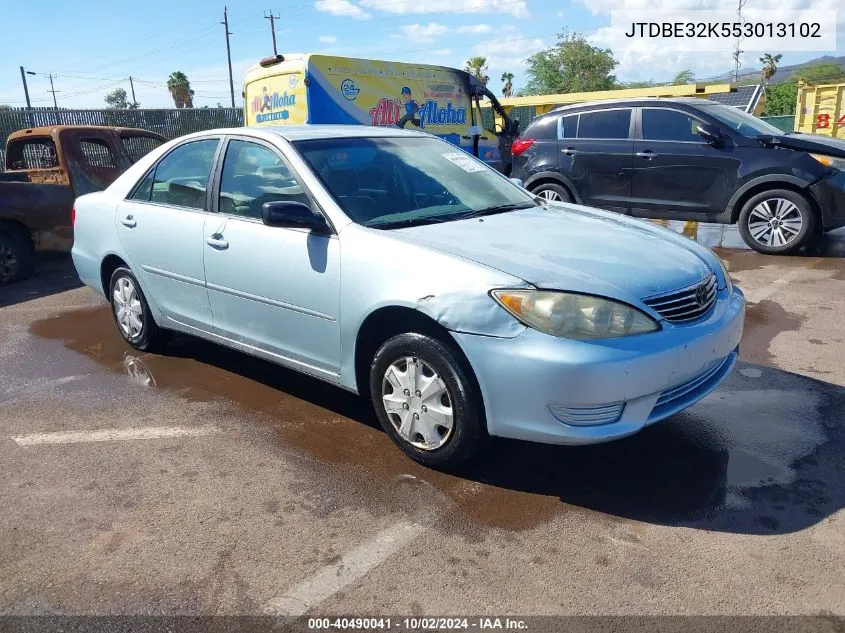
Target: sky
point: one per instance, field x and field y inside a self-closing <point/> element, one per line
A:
<point x="92" y="47"/>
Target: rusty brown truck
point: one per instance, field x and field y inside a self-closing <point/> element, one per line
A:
<point x="46" y="169"/>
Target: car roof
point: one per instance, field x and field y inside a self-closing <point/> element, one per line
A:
<point x="314" y="132"/>
<point x="638" y="101"/>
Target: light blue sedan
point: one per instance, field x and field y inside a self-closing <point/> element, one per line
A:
<point x="392" y="264"/>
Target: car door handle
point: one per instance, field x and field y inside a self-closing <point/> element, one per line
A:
<point x="647" y="154"/>
<point x="570" y="151"/>
<point x="129" y="222"/>
<point x="217" y="241"/>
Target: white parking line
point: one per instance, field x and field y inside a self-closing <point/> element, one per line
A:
<point x="355" y="564"/>
<point x="110" y="435"/>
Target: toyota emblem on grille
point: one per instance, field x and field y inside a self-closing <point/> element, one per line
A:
<point x="701" y="295"/>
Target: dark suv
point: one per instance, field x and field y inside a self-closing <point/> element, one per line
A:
<point x="687" y="159"/>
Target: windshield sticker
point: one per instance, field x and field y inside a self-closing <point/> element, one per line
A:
<point x="463" y="161"/>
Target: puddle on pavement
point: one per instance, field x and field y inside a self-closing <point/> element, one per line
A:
<point x="679" y="472"/>
<point x="764" y="320"/>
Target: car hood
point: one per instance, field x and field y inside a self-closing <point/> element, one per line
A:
<point x="569" y="247"/>
<point x="811" y="143"/>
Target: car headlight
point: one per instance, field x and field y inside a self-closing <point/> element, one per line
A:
<point x="830" y="161"/>
<point x="728" y="283"/>
<point x="574" y="316"/>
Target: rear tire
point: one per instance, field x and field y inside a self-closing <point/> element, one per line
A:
<point x="777" y="222"/>
<point x="17" y="256"/>
<point x="132" y="314"/>
<point x="441" y="427"/>
<point x="552" y="192"/>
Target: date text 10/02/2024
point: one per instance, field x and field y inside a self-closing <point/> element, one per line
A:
<point x="419" y="624"/>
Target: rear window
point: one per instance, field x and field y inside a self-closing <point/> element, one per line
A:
<point x="543" y="129"/>
<point x="606" y="124"/>
<point x="35" y="153"/>
<point x="138" y="146"/>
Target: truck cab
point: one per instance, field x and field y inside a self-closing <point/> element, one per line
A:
<point x="46" y="169"/>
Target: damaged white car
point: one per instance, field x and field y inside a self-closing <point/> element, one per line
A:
<point x="394" y="265"/>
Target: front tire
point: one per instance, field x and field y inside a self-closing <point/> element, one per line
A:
<point x="777" y="222"/>
<point x="132" y="313"/>
<point x="426" y="400"/>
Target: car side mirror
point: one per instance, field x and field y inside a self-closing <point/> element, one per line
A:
<point x="293" y="215"/>
<point x="710" y="133"/>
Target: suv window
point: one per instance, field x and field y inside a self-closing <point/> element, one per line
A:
<point x="610" y="124"/>
<point x="139" y="146"/>
<point x="181" y="177"/>
<point x="97" y="153"/>
<point x="669" y="125"/>
<point x="569" y="126"/>
<point x="36" y="153"/>
<point x="543" y="129"/>
<point x="254" y="174"/>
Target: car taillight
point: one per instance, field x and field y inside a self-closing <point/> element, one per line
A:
<point x="72" y="216"/>
<point x="520" y="145"/>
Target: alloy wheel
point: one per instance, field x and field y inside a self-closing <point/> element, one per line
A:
<point x="127" y="308"/>
<point x="551" y="195"/>
<point x="418" y="403"/>
<point x="775" y="222"/>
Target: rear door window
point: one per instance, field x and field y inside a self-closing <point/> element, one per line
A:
<point x="181" y="177"/>
<point x="605" y="124"/>
<point x="97" y="153"/>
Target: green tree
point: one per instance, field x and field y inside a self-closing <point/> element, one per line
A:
<point x="116" y="99"/>
<point x="180" y="90"/>
<point x="781" y="98"/>
<point x="770" y="66"/>
<point x="571" y="65"/>
<point x="4" y="106"/>
<point x="477" y="67"/>
<point x="507" y="84"/>
<point x="684" y="77"/>
<point x="820" y="74"/>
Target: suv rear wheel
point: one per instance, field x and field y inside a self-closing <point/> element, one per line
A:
<point x="552" y="191"/>
<point x="777" y="222"/>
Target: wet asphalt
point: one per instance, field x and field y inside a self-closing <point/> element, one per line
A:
<point x="731" y="507"/>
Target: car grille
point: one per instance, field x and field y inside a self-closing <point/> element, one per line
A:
<point x="687" y="304"/>
<point x="588" y="415"/>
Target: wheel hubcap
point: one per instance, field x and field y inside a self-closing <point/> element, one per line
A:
<point x="127" y="308"/>
<point x="549" y="194"/>
<point x="8" y="262"/>
<point x="775" y="222"/>
<point x="418" y="403"/>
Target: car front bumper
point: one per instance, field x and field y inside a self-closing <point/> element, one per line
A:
<point x="559" y="391"/>
<point x="830" y="194"/>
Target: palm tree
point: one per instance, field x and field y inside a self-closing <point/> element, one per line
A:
<point x="507" y="87"/>
<point x="180" y="89"/>
<point x="770" y="66"/>
<point x="477" y="66"/>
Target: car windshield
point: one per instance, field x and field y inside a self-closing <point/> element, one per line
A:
<point x="745" y="124"/>
<point x="395" y="182"/>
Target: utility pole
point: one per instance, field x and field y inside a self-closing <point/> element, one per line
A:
<point x="225" y="24"/>
<point x="25" y="89"/>
<point x="273" y="19"/>
<point x="55" y="105"/>
<point x="132" y="88"/>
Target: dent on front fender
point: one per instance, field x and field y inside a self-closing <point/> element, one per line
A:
<point x="470" y="312"/>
